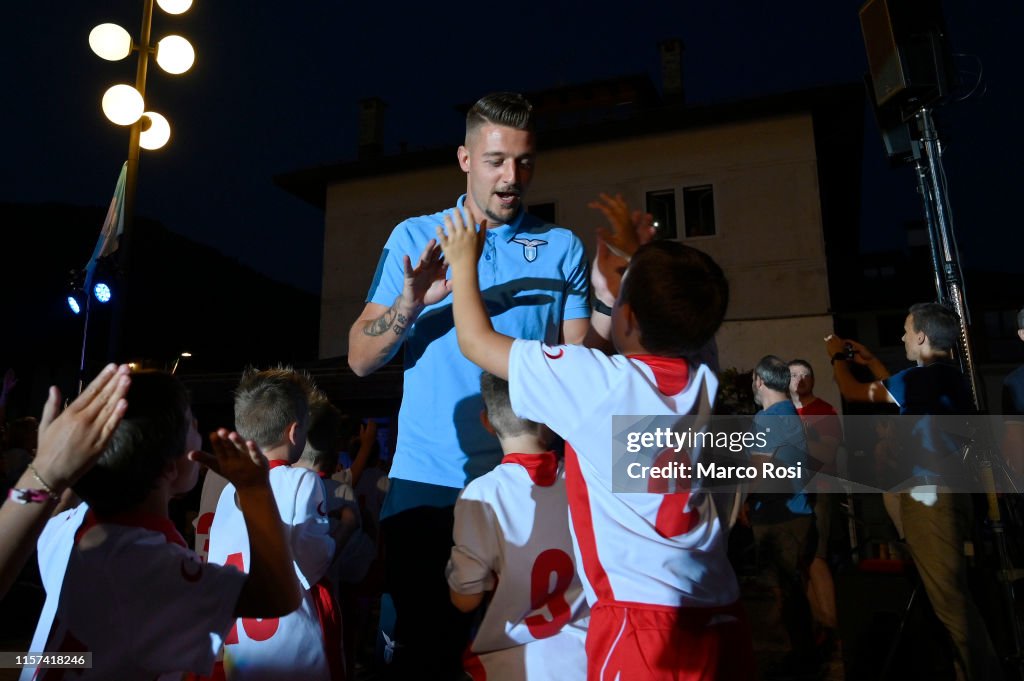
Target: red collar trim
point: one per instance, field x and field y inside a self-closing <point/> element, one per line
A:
<point x="671" y="373"/>
<point x="277" y="462"/>
<point x="321" y="475"/>
<point x="542" y="468"/>
<point x="146" y="521"/>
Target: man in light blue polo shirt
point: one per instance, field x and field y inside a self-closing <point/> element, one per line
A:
<point x="534" y="278"/>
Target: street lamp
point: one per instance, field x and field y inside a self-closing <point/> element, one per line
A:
<point x="184" y="355"/>
<point x="126" y="105"/>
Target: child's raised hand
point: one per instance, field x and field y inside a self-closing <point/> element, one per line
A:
<point x="238" y="460"/>
<point x="367" y="434"/>
<point x="628" y="229"/>
<point x="461" y="241"/>
<point x="72" y="440"/>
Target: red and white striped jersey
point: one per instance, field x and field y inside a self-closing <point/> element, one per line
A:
<point x="53" y="551"/>
<point x="512" y="536"/>
<point x="135" y="597"/>
<point x="290" y="646"/>
<point x="653" y="547"/>
<point x="213" y="485"/>
<point x="562" y="657"/>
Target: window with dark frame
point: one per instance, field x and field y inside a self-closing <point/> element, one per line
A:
<point x="543" y="211"/>
<point x="699" y="210"/>
<point x="661" y="204"/>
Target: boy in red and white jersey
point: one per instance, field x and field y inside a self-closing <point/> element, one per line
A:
<point x="213" y="485"/>
<point x="272" y="409"/>
<point x="664" y="598"/>
<point x="130" y="591"/>
<point x="512" y="538"/>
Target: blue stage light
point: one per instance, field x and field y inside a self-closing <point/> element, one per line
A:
<point x="73" y="304"/>
<point x="102" y="292"/>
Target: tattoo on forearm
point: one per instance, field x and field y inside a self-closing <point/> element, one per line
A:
<point x="400" y="323"/>
<point x="392" y="319"/>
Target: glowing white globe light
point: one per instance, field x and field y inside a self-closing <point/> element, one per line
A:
<point x="158" y="132"/>
<point x="122" y="104"/>
<point x="110" y="42"/>
<point x="175" y="55"/>
<point x="174" y="6"/>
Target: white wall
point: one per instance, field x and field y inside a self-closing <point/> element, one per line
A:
<point x="768" y="218"/>
<point x="742" y="344"/>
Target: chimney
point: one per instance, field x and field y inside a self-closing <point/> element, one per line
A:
<point x="371" y="127"/>
<point x="671" y="53"/>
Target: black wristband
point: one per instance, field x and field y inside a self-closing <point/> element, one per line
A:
<point x="601" y="308"/>
<point x="839" y="356"/>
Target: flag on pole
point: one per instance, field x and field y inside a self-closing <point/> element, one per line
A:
<point x="113" y="227"/>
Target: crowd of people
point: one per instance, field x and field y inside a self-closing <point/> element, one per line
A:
<point x="503" y="539"/>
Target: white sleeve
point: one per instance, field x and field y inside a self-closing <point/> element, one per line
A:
<point x="310" y="533"/>
<point x="53" y="551"/>
<point x="213" y="485"/>
<point x="170" y="586"/>
<point x="559" y="386"/>
<point x="475" y="553"/>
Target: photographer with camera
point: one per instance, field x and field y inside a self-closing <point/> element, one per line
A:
<point x="936" y="521"/>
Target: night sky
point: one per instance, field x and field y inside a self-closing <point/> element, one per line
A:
<point x="276" y="85"/>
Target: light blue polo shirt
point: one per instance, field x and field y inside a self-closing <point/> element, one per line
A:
<point x="533" y="275"/>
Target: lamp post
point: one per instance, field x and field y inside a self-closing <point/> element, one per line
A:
<point x="184" y="355"/>
<point x="125" y="105"/>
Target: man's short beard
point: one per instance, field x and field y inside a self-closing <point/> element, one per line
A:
<point x="492" y="216"/>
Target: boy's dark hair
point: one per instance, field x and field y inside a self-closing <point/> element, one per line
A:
<point x="508" y="109"/>
<point x="326" y="435"/>
<point x="678" y="295"/>
<point x="1020" y="319"/>
<point x="940" y="324"/>
<point x="802" y="363"/>
<point x="774" y="372"/>
<point x="267" y="402"/>
<point x="494" y="390"/>
<point x="151" y="434"/>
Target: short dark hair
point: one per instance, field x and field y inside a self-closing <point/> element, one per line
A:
<point x="326" y="435"/>
<point x="802" y="363"/>
<point x="678" y="294"/>
<point x="152" y="433"/>
<point x="940" y="324"/>
<point x="774" y="372"/>
<point x="268" y="401"/>
<point x="1020" y="319"/>
<point x="508" y="109"/>
<point x="494" y="390"/>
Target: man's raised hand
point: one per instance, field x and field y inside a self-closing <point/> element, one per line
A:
<point x="426" y="284"/>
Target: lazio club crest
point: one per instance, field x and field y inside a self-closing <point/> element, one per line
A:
<point x="530" y="247"/>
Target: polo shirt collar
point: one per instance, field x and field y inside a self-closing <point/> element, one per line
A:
<point x="146" y="521"/>
<point x="507" y="231"/>
<point x="542" y="468"/>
